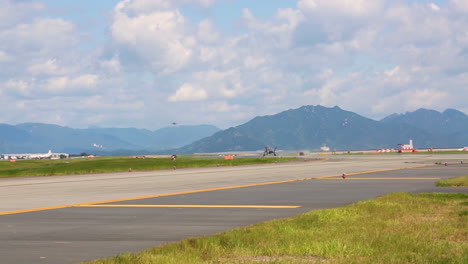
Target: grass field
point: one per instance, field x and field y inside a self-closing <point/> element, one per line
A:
<point x="454" y="182"/>
<point x="435" y="152"/>
<point x="117" y="164"/>
<point x="395" y="228"/>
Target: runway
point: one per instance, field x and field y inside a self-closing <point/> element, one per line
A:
<point x="77" y="218"/>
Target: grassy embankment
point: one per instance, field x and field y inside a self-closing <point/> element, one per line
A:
<point x="454" y="182"/>
<point x="118" y="164"/>
<point x="395" y="228"/>
<point x="435" y="152"/>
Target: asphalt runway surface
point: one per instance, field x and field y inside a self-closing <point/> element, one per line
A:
<point x="78" y="218"/>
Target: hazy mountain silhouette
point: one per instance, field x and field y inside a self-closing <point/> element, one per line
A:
<point x="310" y="127"/>
<point x="304" y="128"/>
<point x="37" y="137"/>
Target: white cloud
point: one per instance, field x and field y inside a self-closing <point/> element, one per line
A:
<point x="207" y="32"/>
<point x="17" y="87"/>
<point x="48" y="67"/>
<point x="150" y="6"/>
<point x="4" y="57"/>
<point x="373" y="57"/>
<point x="67" y="84"/>
<point x="48" y="33"/>
<point x="101" y="104"/>
<point x="392" y="72"/>
<point x="412" y="100"/>
<point x="459" y="5"/>
<point x="188" y="93"/>
<point x="342" y="7"/>
<point x="112" y="65"/>
<point x="160" y="39"/>
<point x="434" y="7"/>
<point x="253" y="63"/>
<point x="223" y="107"/>
<point x="12" y="12"/>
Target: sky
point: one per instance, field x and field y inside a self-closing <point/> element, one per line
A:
<point x="149" y="63"/>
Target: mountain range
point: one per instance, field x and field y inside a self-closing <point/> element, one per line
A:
<point x="304" y="128"/>
<point x="37" y="137"/>
<point x="310" y="127"/>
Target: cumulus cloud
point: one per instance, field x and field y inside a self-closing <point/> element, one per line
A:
<point x="434" y="7"/>
<point x="160" y="39"/>
<point x="137" y="7"/>
<point x="13" y="12"/>
<point x="42" y="33"/>
<point x="374" y="57"/>
<point x="62" y="84"/>
<point x="223" y="107"/>
<point x="4" y="57"/>
<point x="459" y="5"/>
<point x="48" y="67"/>
<point x="207" y="32"/>
<point x="342" y="7"/>
<point x="112" y="65"/>
<point x="188" y="93"/>
<point x="19" y="87"/>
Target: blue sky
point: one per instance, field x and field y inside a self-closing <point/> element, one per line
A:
<point x="148" y="63"/>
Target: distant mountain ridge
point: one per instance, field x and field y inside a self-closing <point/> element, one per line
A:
<point x="37" y="137"/>
<point x="310" y="127"/>
<point x="448" y="122"/>
<point x="304" y="128"/>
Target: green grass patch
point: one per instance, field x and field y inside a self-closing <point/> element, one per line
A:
<point x="454" y="182"/>
<point x="118" y="164"/>
<point x="435" y="152"/>
<point x="394" y="228"/>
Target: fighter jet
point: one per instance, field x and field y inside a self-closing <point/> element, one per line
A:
<point x="269" y="150"/>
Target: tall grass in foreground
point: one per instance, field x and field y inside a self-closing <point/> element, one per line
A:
<point x="454" y="182"/>
<point x="118" y="164"/>
<point x="395" y="228"/>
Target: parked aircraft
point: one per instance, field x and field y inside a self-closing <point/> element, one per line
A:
<point x="269" y="150"/>
<point x="48" y="155"/>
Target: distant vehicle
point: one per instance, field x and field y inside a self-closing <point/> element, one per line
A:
<point x="269" y="150"/>
<point x="325" y="148"/>
<point x="464" y="149"/>
<point x="407" y="147"/>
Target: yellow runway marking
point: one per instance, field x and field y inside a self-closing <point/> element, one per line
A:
<point x="197" y="191"/>
<point x="40" y="209"/>
<point x="454" y="167"/>
<point x="383" y="178"/>
<point x="192" y="206"/>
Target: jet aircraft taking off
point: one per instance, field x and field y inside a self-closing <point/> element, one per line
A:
<point x="269" y="150"/>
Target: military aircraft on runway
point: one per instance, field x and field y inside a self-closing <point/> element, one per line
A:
<point x="269" y="150"/>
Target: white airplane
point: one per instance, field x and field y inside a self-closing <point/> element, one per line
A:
<point x="41" y="155"/>
<point x="48" y="155"/>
